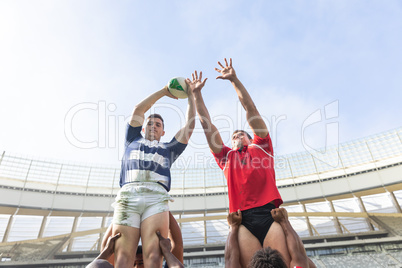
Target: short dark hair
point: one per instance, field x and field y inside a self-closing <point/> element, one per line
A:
<point x="157" y="116"/>
<point x="242" y="131"/>
<point x="267" y="258"/>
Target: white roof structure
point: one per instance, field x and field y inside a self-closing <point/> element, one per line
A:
<point x="345" y="190"/>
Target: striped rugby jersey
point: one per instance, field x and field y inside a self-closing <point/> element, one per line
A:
<point x="146" y="160"/>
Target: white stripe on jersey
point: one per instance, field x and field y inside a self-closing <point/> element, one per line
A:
<point x="261" y="149"/>
<point x="157" y="158"/>
<point x="151" y="144"/>
<point x="145" y="175"/>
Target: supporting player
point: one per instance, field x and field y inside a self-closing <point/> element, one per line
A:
<point x="267" y="257"/>
<point x="141" y="206"/>
<point x="232" y="251"/>
<point x="298" y="256"/>
<point x="249" y="170"/>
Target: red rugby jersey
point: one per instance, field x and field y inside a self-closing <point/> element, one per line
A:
<point x="250" y="175"/>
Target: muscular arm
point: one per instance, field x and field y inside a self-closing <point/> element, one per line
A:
<point x="184" y="134"/>
<point x="137" y="118"/>
<point x="176" y="238"/>
<point x="254" y="118"/>
<point x="232" y="249"/>
<point x="105" y="239"/>
<point x="165" y="247"/>
<point x="105" y="254"/>
<point x="211" y="132"/>
<point x="296" y="249"/>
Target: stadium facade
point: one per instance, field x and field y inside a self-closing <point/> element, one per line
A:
<point x="344" y="202"/>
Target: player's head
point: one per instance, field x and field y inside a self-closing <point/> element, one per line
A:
<point x="139" y="262"/>
<point x="240" y="137"/>
<point x="154" y="126"/>
<point x="267" y="258"/>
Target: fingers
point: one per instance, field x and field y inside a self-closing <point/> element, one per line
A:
<point x="220" y="64"/>
<point x="159" y="235"/>
<point x="226" y="62"/>
<point x="274" y="212"/>
<point x="195" y="77"/>
<point x="170" y="95"/>
<point x="116" y="236"/>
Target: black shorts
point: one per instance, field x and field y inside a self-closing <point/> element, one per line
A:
<point x="258" y="221"/>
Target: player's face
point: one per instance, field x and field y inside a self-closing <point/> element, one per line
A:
<point x="154" y="129"/>
<point x="139" y="262"/>
<point x="239" y="139"/>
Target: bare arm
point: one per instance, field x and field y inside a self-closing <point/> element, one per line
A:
<point x="232" y="249"/>
<point x="211" y="132"/>
<point x="184" y="134"/>
<point x="109" y="248"/>
<point x="105" y="240"/>
<point x="254" y="118"/>
<point x="176" y="238"/>
<point x="137" y="118"/>
<point x="298" y="256"/>
<point x="171" y="260"/>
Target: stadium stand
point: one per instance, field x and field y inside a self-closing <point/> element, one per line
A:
<point x="344" y="202"/>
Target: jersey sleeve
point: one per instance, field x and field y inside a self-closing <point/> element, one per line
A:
<point x="220" y="157"/>
<point x="132" y="133"/>
<point x="176" y="149"/>
<point x="265" y="143"/>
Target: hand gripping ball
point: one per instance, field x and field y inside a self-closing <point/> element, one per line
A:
<point x="178" y="87"/>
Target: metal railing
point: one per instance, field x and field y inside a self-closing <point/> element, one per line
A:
<point x="354" y="156"/>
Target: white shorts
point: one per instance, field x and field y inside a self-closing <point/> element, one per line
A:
<point x="139" y="200"/>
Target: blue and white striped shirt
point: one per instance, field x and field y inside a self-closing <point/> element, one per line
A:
<point x="146" y="160"/>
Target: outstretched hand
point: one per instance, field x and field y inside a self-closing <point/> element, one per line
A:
<point x="279" y="214"/>
<point x="196" y="84"/>
<point x="227" y="72"/>
<point x="234" y="218"/>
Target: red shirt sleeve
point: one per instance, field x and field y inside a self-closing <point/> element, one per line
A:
<point x="220" y="157"/>
<point x="265" y="143"/>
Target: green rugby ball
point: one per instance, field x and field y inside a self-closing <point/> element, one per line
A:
<point x="178" y="87"/>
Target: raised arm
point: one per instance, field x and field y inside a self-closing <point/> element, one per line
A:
<point x="211" y="132"/>
<point x="298" y="256"/>
<point x="137" y="118"/>
<point x="254" y="118"/>
<point x="232" y="249"/>
<point x="184" y="134"/>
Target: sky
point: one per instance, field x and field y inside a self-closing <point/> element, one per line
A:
<point x="320" y="72"/>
